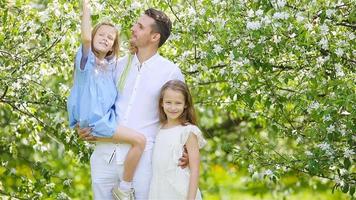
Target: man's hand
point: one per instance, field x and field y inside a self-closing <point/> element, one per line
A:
<point x="183" y="161"/>
<point x="85" y="134"/>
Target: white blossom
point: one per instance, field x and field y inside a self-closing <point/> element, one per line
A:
<point x="339" y="71"/>
<point x="259" y="12"/>
<point x="324" y="43"/>
<point x="309" y="153"/>
<point x="211" y="38"/>
<point x="330" y="128"/>
<point x="236" y="42"/>
<point x="339" y="52"/>
<point x="217" y="48"/>
<point x="343" y="172"/>
<point x="326" y="118"/>
<point x="256" y="176"/>
<point x="308" y="26"/>
<point x="4" y="163"/>
<point x="299" y="17"/>
<point x="193" y="68"/>
<point x="299" y="139"/>
<point x="251" y="168"/>
<point x="292" y="35"/>
<point x="223" y="71"/>
<point x="67" y="182"/>
<point x="251" y="45"/>
<point x="62" y="196"/>
<point x="39" y="194"/>
<point x="13" y="171"/>
<point x="269" y="172"/>
<point x="325" y="147"/>
<point x="349" y="153"/>
<point x="49" y="186"/>
<point x="253" y="25"/>
<point x="231" y="55"/>
<point x="280" y="15"/>
<point x="191" y="11"/>
<point x="344" y="112"/>
<point x="324" y="29"/>
<point x="276" y="39"/>
<point x="202" y="11"/>
<point x="44" y="16"/>
<point x="203" y="54"/>
<point x="135" y="5"/>
<point x="294" y="132"/>
<point x="216" y="1"/>
<point x="266" y="20"/>
<point x="16" y="85"/>
<point x="313" y="106"/>
<point x="281" y="3"/>
<point x="250" y="13"/>
<point x="330" y="12"/>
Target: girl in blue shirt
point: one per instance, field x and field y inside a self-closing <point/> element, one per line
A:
<point x="92" y="99"/>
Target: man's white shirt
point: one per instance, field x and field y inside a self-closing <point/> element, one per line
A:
<point x="137" y="105"/>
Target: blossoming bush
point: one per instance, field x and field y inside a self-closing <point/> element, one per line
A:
<point x="273" y="81"/>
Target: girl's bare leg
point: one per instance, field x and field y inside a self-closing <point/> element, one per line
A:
<point x="138" y="142"/>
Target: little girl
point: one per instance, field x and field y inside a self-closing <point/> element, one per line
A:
<point x="92" y="99"/>
<point x="178" y="128"/>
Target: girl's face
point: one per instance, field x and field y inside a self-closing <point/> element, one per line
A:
<point x="104" y="39"/>
<point x="173" y="104"/>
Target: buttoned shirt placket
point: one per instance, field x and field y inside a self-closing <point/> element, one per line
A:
<point x="125" y="119"/>
<point x="134" y="92"/>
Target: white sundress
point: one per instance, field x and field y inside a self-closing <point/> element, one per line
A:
<point x="169" y="181"/>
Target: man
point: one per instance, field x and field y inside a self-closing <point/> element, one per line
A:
<point x="140" y="79"/>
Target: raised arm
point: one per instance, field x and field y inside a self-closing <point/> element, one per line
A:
<point x="85" y="30"/>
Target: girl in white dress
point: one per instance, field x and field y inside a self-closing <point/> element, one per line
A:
<point x="178" y="130"/>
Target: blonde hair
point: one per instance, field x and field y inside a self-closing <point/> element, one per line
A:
<point x="188" y="115"/>
<point x="116" y="44"/>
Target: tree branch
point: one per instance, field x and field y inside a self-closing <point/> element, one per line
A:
<point x="212" y="67"/>
<point x="4" y="94"/>
<point x="174" y="13"/>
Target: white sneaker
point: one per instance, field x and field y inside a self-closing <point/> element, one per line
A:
<point x="119" y="194"/>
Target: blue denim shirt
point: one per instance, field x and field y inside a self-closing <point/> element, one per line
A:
<point x="91" y="102"/>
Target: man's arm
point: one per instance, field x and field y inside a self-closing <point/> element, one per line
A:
<point x="85" y="134"/>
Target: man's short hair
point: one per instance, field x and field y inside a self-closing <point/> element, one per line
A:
<point x="162" y="25"/>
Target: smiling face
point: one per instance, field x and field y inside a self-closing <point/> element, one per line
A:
<point x="173" y="104"/>
<point x="104" y="39"/>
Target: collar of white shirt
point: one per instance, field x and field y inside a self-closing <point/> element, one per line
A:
<point x="151" y="60"/>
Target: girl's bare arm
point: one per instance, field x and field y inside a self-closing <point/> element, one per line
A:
<point x="194" y="161"/>
<point x="85" y="30"/>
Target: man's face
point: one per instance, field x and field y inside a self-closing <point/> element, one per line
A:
<point x="142" y="33"/>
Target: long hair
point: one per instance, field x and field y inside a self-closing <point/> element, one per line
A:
<point x="116" y="45"/>
<point x="188" y="115"/>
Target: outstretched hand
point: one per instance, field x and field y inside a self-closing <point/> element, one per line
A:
<point x="85" y="134"/>
<point x="183" y="161"/>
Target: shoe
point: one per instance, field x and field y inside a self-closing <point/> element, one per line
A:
<point x="119" y="194"/>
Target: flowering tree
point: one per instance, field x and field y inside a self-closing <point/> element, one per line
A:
<point x="273" y="81"/>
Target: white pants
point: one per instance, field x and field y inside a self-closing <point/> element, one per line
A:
<point x="107" y="175"/>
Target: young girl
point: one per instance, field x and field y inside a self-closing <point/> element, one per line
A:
<point x="178" y="128"/>
<point x="92" y="99"/>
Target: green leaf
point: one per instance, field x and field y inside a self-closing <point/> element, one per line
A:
<point x="352" y="190"/>
<point x="347" y="163"/>
<point x="345" y="188"/>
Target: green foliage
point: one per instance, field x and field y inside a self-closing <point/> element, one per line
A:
<point x="273" y="81"/>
